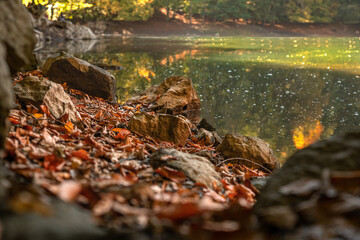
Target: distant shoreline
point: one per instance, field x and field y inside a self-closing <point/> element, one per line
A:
<point x="174" y="27"/>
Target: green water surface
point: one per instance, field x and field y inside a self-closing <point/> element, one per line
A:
<point x="272" y="88"/>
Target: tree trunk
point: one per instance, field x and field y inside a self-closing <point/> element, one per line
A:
<point x="203" y="12"/>
<point x="190" y="11"/>
<point x="167" y="13"/>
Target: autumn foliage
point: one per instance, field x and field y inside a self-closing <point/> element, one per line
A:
<point x="102" y="166"/>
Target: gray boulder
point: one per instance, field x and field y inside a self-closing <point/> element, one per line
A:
<point x="197" y="168"/>
<point x="62" y="30"/>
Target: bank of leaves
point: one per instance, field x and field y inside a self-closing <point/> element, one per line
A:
<point x="102" y="166"/>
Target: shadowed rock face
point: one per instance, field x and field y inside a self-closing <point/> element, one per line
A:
<point x="334" y="154"/>
<point x="81" y="75"/>
<point x="17" y="40"/>
<point x="6" y="96"/>
<point x="16" y="34"/>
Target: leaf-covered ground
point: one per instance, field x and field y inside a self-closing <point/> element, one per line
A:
<point x="102" y="166"/>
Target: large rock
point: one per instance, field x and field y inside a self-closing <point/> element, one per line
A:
<point x="16" y="43"/>
<point x="164" y="127"/>
<point x="176" y="95"/>
<point x="197" y="168"/>
<point x="251" y="148"/>
<point x="62" y="30"/>
<point x="334" y="154"/>
<point x="6" y="96"/>
<point x="81" y="75"/>
<point x="35" y="90"/>
<point x="16" y="34"/>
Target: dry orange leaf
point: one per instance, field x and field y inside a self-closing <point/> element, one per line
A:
<point x="180" y="211"/>
<point x="38" y="115"/>
<point x="122" y="133"/>
<point x="81" y="153"/>
<point x="14" y="120"/>
<point x="117" y="129"/>
<point x="171" y="174"/>
<point x="128" y="108"/>
<point x="99" y="114"/>
<point x="69" y="126"/>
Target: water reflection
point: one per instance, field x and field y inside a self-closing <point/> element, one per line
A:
<point x="289" y="92"/>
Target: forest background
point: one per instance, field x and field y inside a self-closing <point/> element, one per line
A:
<point x="249" y="11"/>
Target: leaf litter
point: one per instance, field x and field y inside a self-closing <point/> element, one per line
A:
<point x="105" y="168"/>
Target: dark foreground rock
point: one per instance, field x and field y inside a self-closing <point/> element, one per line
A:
<point x="16" y="34"/>
<point x="164" y="127"/>
<point x="23" y="212"/>
<point x="317" y="185"/>
<point x="251" y="148"/>
<point x="16" y="43"/>
<point x="81" y="75"/>
<point x="67" y="221"/>
<point x="176" y="95"/>
<point x="197" y="168"/>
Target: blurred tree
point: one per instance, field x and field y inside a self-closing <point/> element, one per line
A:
<point x="268" y="11"/>
<point x="260" y="11"/>
<point x="349" y="11"/>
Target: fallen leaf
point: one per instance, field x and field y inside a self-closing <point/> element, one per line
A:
<point x="38" y="115"/>
<point x="81" y="153"/>
<point x="171" y="174"/>
<point x="179" y="211"/>
<point x="69" y="126"/>
<point x="67" y="191"/>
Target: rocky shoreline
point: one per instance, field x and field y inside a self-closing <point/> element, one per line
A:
<point x="76" y="164"/>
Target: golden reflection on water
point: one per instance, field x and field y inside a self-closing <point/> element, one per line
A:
<point x="304" y="136"/>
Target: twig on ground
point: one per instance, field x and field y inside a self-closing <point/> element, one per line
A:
<point x="243" y="159"/>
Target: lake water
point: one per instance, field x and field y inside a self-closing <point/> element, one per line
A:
<point x="288" y="91"/>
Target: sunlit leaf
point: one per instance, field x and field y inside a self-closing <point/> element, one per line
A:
<point x="38" y="115"/>
<point x="81" y="153"/>
<point x="69" y="126"/>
